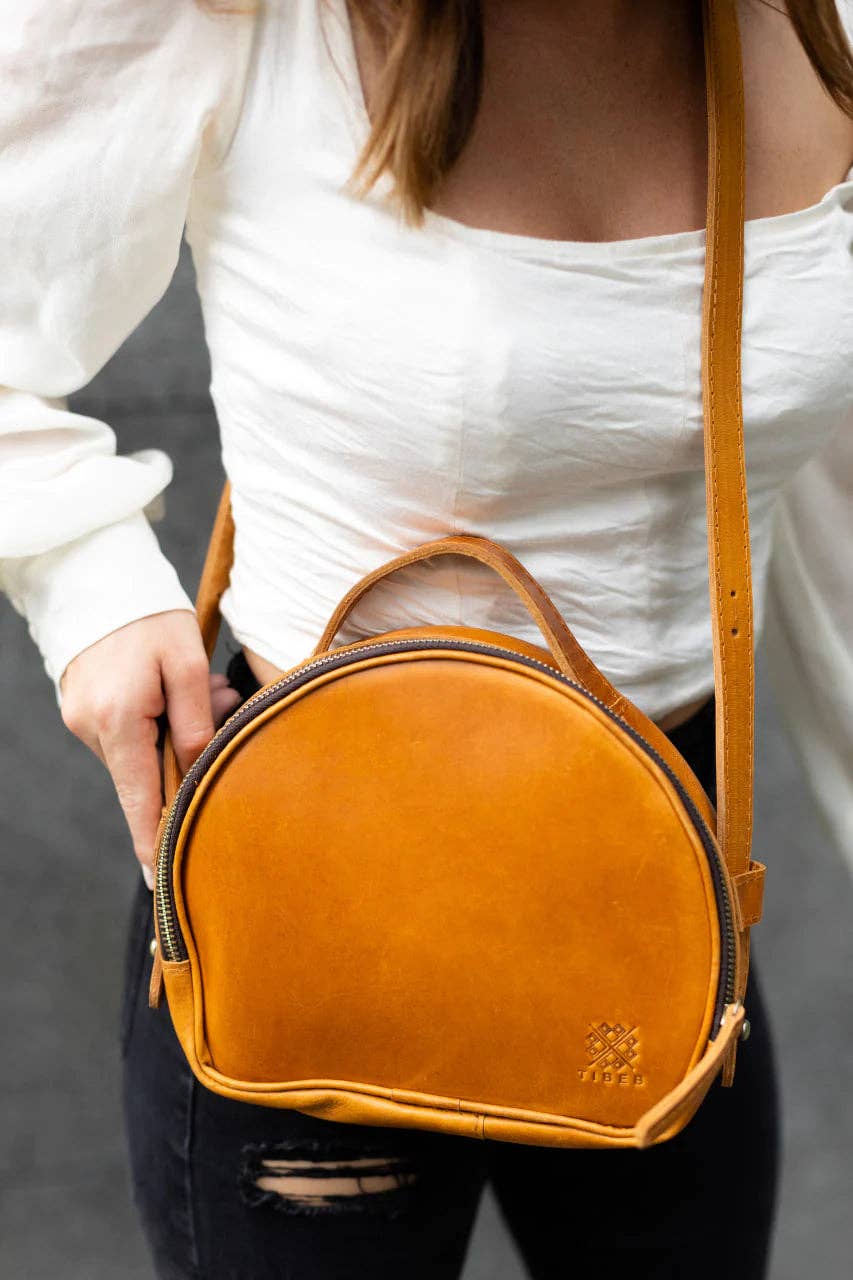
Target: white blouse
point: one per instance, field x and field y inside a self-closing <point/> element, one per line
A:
<point x="377" y="385"/>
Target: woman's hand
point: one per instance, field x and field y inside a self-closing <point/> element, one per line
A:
<point x="112" y="694"/>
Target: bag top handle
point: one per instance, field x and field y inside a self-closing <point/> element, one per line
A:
<point x="730" y="579"/>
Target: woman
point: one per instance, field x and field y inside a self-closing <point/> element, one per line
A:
<point x="519" y="356"/>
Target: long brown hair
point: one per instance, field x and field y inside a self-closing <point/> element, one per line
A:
<point x="428" y="90"/>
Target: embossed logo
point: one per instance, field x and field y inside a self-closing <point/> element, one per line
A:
<point x="614" y="1053"/>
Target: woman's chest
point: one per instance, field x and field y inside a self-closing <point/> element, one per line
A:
<point x="591" y="123"/>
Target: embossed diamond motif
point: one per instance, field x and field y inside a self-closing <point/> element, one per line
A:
<point x="612" y="1046"/>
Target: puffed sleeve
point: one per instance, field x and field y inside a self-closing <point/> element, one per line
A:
<point x="808" y="637"/>
<point x="106" y="111"/>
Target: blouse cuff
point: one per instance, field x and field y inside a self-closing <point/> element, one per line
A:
<point x="76" y="594"/>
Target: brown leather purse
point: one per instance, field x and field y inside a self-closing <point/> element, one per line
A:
<point x="445" y="879"/>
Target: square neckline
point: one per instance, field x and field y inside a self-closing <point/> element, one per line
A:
<point x="539" y="247"/>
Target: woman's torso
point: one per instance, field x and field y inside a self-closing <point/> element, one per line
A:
<point x="538" y="382"/>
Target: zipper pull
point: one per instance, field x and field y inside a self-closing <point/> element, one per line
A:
<point x="727" y="1076"/>
<point x="158" y="835"/>
<point x="155" y="987"/>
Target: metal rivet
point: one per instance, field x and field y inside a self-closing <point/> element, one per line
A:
<point x="152" y="946"/>
<point x="745" y="1029"/>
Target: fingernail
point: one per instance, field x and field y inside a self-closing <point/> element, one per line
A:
<point x="148" y="877"/>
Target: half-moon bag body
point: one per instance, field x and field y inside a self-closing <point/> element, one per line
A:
<point x="445" y="879"/>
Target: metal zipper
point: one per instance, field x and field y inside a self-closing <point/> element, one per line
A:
<point x="171" y="938"/>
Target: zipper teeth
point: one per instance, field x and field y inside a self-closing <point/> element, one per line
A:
<point x="173" y="946"/>
<point x="171" y="949"/>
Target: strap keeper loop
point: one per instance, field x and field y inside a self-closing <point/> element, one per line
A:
<point x="749" y="892"/>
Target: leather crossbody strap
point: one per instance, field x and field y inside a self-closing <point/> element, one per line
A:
<point x="725" y="472"/>
<point x="729" y="563"/>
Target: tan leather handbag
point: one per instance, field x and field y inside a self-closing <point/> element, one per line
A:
<point x="445" y="879"/>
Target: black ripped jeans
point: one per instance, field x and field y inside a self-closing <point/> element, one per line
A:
<point x="231" y="1191"/>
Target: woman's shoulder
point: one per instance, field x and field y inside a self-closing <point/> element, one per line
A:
<point x="97" y="73"/>
<point x="105" y="110"/>
<point x="49" y="45"/>
<point x="108" y="30"/>
<point x="795" y="155"/>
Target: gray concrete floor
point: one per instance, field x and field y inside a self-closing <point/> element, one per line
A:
<point x="65" y="1209"/>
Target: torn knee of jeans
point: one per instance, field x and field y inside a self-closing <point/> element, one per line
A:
<point x="314" y="1178"/>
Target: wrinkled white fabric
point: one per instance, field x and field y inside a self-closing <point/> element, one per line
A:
<point x="809" y="628"/>
<point x="377" y="386"/>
